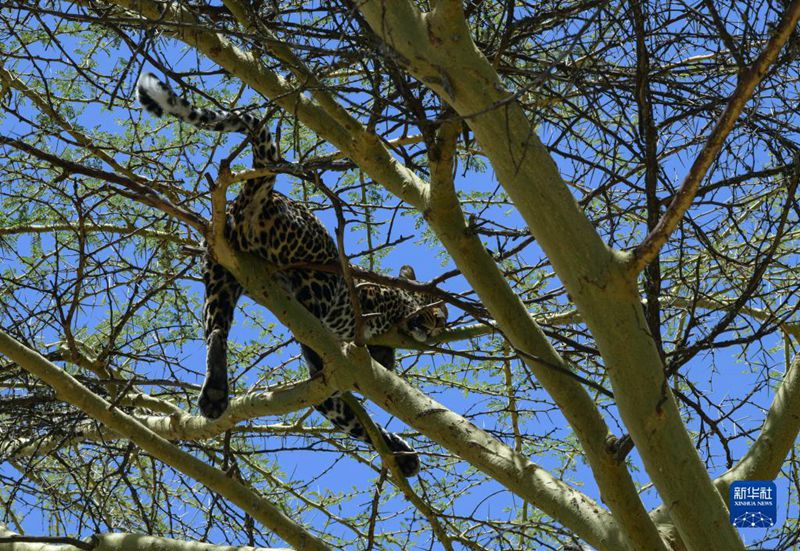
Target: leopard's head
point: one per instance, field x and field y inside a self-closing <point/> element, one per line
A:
<point x="428" y="322"/>
<point x="431" y="317"/>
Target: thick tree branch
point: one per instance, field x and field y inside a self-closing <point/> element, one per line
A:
<point x="441" y="54"/>
<point x="69" y="389"/>
<point x="470" y="443"/>
<point x="114" y="542"/>
<point x="349" y="136"/>
<point x="477" y="265"/>
<point x="182" y="426"/>
<point x="765" y="457"/>
<point x="767" y="454"/>
<point x="347" y="370"/>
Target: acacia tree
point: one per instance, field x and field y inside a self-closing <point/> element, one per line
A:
<point x="608" y="191"/>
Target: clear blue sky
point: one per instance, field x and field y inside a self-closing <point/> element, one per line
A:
<point x="488" y="499"/>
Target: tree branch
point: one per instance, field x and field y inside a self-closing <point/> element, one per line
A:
<point x="115" y="542"/>
<point x="69" y="389"/>
<point x="180" y="425"/>
<point x="399" y="480"/>
<point x="440" y="53"/>
<point x="779" y="432"/>
<point x="331" y="122"/>
<point x="764" y="458"/>
<point x="45" y="105"/>
<point x="748" y="80"/>
<point x="648" y="135"/>
<point x="127" y="231"/>
<point x="132" y="188"/>
<point x="347" y="369"/>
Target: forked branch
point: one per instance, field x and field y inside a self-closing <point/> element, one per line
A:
<point x="648" y="250"/>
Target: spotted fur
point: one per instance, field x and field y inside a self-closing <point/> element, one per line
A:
<point x="286" y="233"/>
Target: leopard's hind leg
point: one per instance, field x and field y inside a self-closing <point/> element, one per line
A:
<point x="342" y="416"/>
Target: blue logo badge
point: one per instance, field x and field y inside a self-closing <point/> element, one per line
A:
<point x="753" y="503"/>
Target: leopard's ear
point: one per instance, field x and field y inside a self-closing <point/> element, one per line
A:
<point x="407" y="272"/>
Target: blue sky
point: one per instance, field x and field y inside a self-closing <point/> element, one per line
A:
<point x="734" y="371"/>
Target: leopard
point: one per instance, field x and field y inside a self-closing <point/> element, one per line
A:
<point x="287" y="234"/>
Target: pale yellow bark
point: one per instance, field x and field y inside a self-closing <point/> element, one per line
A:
<point x="512" y="318"/>
<point x="765" y="456"/>
<point x="124" y="542"/>
<point x="439" y="52"/>
<point x="70" y="390"/>
<point x="179" y="425"/>
<point x="353" y="369"/>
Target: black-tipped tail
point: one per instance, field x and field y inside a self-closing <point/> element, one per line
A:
<point x="159" y="99"/>
<point x="153" y="94"/>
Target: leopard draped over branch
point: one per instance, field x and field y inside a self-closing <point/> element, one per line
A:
<point x="286" y="233"/>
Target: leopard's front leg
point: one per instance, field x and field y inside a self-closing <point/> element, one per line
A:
<point x="222" y="294"/>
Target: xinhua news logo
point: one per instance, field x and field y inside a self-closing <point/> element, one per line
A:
<point x="753" y="504"/>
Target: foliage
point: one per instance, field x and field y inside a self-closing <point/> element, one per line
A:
<point x="106" y="285"/>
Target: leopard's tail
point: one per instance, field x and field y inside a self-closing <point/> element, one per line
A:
<point x="159" y="99"/>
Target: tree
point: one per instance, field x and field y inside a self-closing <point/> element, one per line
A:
<point x="610" y="191"/>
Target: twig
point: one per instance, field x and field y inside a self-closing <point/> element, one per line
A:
<point x="647" y="251"/>
<point x="398" y="479"/>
